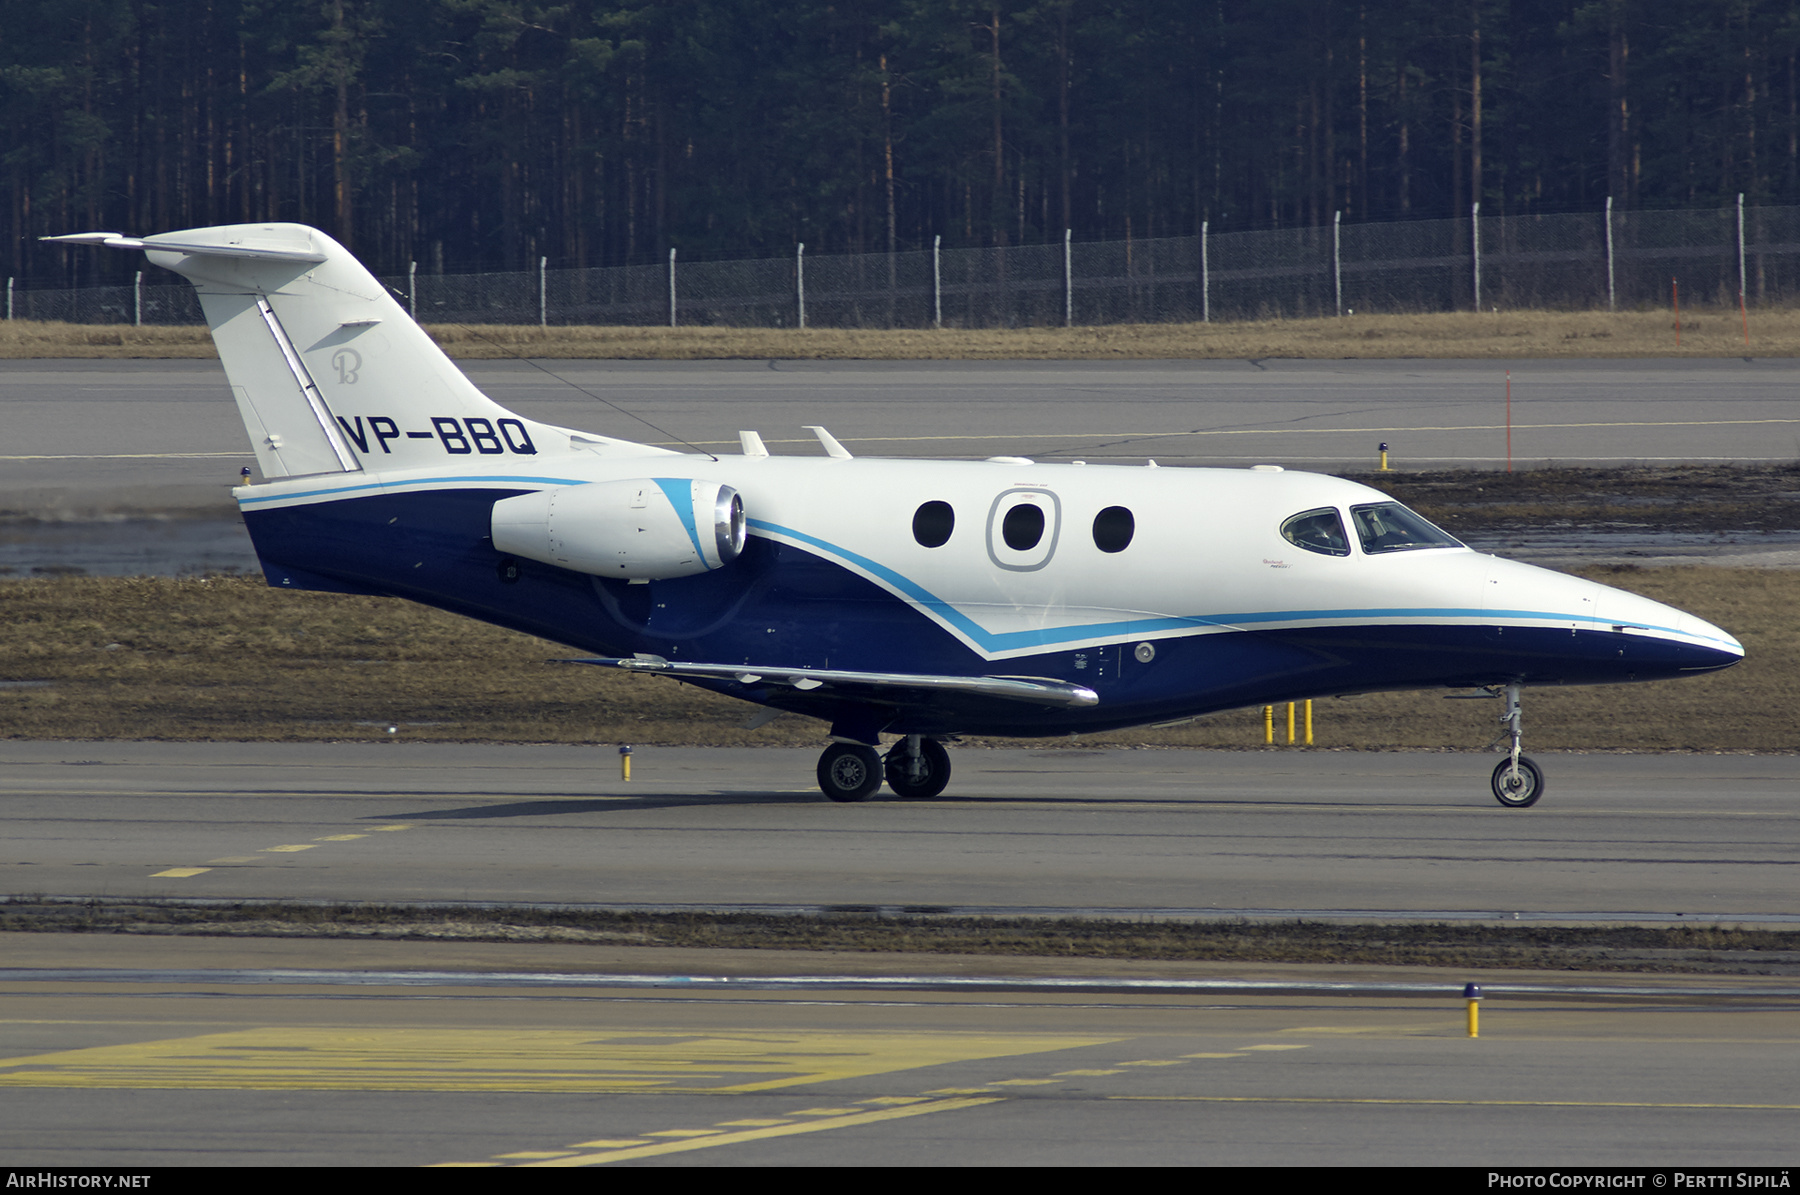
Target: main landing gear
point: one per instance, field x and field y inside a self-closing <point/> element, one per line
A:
<point x="913" y="767"/>
<point x="917" y="767"/>
<point x="1518" y="782"/>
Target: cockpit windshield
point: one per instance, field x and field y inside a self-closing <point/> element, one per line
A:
<point x="1390" y="527"/>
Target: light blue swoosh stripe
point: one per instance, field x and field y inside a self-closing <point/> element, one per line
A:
<point x="679" y="491"/>
<point x="1047" y="637"/>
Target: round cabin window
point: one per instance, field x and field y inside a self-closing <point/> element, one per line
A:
<point x="932" y="524"/>
<point x="1113" y="529"/>
<point x="1023" y="527"/>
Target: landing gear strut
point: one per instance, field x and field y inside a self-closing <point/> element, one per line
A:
<point x="917" y="767"/>
<point x="1518" y="783"/>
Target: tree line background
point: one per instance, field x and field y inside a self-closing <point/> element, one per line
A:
<point x="482" y="134"/>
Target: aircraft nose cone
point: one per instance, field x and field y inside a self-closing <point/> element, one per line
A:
<point x="1677" y="639"/>
<point x="1724" y="646"/>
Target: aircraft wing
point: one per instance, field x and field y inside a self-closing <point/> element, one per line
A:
<point x="1032" y="689"/>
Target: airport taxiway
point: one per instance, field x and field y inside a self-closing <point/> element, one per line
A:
<point x="118" y="435"/>
<point x="278" y="1063"/>
<point x="1633" y="837"/>
<point x="150" y="1068"/>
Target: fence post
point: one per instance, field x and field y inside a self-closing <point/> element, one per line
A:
<point x="412" y="290"/>
<point x="1337" y="258"/>
<point x="1612" y="300"/>
<point x="1743" y="280"/>
<point x="11" y="311"/>
<point x="1475" y="240"/>
<point x="1068" y="282"/>
<point x="1740" y="230"/>
<point x="1205" y="279"/>
<point x="9" y="283"/>
<point x="937" y="282"/>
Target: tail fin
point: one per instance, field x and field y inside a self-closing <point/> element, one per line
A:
<point x="330" y="373"/>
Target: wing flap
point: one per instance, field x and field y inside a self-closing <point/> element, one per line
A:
<point x="1035" y="690"/>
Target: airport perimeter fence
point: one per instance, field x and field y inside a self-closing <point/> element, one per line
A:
<point x="1609" y="260"/>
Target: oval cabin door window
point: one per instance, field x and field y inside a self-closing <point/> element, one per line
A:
<point x="1022" y="528"/>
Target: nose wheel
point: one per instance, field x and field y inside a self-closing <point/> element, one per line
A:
<point x="1517" y="781"/>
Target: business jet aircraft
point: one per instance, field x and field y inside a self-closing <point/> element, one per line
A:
<point x="915" y="599"/>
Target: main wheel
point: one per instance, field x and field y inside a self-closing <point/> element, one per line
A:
<point x="929" y="779"/>
<point x="849" y="772"/>
<point x="1521" y="791"/>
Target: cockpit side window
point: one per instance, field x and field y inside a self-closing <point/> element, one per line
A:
<point x="1319" y="531"/>
<point x="1390" y="527"/>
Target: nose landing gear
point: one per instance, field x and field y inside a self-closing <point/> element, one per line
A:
<point x="1517" y="781"/>
<point x="915" y="767"/>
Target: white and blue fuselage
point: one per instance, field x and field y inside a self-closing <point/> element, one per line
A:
<point x="1206" y="607"/>
<point x="914" y="598"/>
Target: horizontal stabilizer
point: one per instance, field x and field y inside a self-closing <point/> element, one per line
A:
<point x="1032" y="689"/>
<point x="179" y="243"/>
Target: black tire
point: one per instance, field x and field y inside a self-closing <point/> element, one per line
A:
<point x="1525" y="792"/>
<point x="849" y="772"/>
<point x="937" y="770"/>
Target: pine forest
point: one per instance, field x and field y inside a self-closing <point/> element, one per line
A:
<point x="489" y="134"/>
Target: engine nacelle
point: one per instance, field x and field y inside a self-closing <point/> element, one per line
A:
<point x="646" y="529"/>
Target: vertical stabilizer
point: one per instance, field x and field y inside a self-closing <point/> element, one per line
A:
<point x="330" y="373"/>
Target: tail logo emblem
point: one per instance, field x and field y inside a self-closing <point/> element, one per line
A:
<point x="347" y="362"/>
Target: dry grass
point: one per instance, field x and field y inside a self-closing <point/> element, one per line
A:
<point x="1732" y="499"/>
<point x="34" y="338"/>
<point x="230" y="659"/>
<point x="1509" y="334"/>
<point x="1689" y="949"/>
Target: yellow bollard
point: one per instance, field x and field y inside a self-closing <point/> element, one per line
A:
<point x="1309" y="721"/>
<point x="1268" y="726"/>
<point x="1472" y="994"/>
<point x="1290" y="724"/>
<point x="625" y="762"/>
